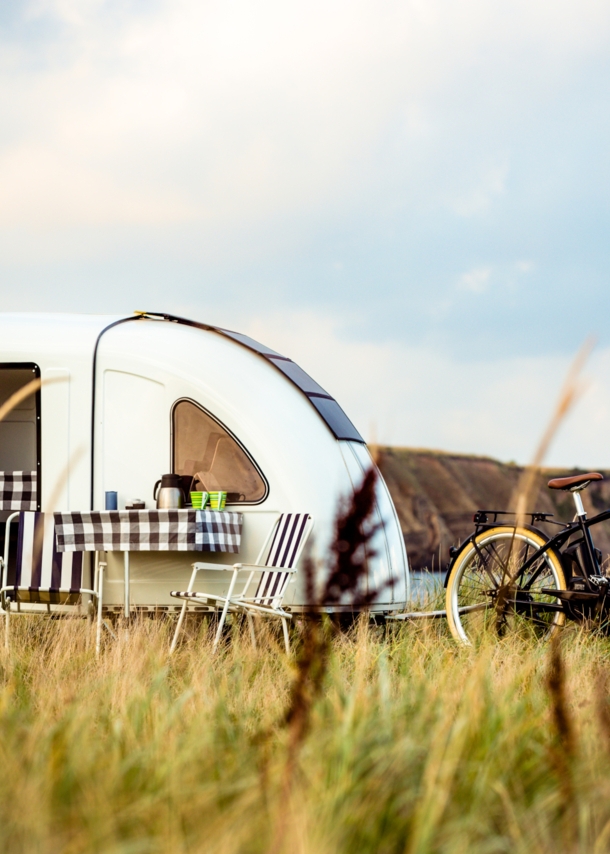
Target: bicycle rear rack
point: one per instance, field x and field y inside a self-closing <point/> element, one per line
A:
<point x="481" y="517"/>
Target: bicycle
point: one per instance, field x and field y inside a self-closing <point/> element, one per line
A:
<point x="510" y="577"/>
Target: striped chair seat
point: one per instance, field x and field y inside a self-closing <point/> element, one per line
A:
<point x="43" y="575"/>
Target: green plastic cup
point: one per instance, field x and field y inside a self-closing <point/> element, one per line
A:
<point x="199" y="500"/>
<point x="218" y="500"/>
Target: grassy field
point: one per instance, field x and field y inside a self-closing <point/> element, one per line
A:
<point x="413" y="746"/>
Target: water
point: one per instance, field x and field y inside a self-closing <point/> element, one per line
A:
<point x="427" y="589"/>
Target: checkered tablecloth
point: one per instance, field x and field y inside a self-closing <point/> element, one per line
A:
<point x="149" y="530"/>
<point x="18" y="490"/>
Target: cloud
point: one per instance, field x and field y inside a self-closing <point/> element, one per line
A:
<point x="422" y="397"/>
<point x="524" y="267"/>
<point x="374" y="166"/>
<point x="42" y="187"/>
<point x="476" y="280"/>
<point x="239" y="112"/>
<point x="479" y="197"/>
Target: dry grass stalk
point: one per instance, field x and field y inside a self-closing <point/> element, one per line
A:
<point x="16" y="398"/>
<point x="350" y="549"/>
<point x="563" y="750"/>
<point x="556" y="683"/>
<point x="528" y="486"/>
<point x="128" y="753"/>
<point x="570" y="392"/>
<point x="25" y="391"/>
<point x="602" y="693"/>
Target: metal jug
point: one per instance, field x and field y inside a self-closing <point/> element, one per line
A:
<point x="171" y="494"/>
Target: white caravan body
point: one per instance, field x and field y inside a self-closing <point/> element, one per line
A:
<point x="106" y="419"/>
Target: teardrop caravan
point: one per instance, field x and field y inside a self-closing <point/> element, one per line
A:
<point x="126" y="399"/>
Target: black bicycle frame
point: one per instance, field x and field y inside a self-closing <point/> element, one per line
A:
<point x="582" y="525"/>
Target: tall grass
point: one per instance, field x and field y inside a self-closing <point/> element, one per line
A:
<point x="413" y="744"/>
<point x="372" y="740"/>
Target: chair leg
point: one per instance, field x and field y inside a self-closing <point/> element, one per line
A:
<point x="251" y="627"/>
<point x="100" y="591"/>
<point x="221" y="623"/>
<point x="92" y="603"/>
<point x="182" y="615"/>
<point x="286" y="637"/>
<point x="178" y="628"/>
<point x="89" y="623"/>
<point x="108" y="628"/>
<point x="223" y="617"/>
<point x="7" y="626"/>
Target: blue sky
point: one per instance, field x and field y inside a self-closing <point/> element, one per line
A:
<point x="410" y="199"/>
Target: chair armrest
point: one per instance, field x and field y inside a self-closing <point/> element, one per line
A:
<point x="218" y="567"/>
<point x="240" y="566"/>
<point x="262" y="568"/>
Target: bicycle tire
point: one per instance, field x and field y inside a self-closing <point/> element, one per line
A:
<point x="487" y="592"/>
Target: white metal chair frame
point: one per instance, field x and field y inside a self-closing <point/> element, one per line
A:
<point x="263" y="603"/>
<point x="5" y="589"/>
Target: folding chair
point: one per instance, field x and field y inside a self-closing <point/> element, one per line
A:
<point x="262" y="591"/>
<point x="43" y="575"/>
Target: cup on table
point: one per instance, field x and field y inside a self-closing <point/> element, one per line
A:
<point x="218" y="500"/>
<point x="199" y="500"/>
<point x="111" y="500"/>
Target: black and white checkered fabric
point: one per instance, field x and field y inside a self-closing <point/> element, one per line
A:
<point x="18" y="490"/>
<point x="218" y="532"/>
<point x="149" y="530"/>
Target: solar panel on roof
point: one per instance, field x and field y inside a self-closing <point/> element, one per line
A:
<point x="248" y="342"/>
<point x="298" y="376"/>
<point x="336" y="418"/>
<point x="325" y="405"/>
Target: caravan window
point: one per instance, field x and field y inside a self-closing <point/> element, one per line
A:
<point x="20" y="434"/>
<point x="205" y="449"/>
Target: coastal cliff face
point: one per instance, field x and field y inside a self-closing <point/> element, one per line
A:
<point x="436" y="494"/>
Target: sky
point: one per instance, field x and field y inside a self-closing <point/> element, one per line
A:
<point x="410" y="199"/>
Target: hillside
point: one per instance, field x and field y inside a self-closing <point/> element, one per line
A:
<point x="436" y="494"/>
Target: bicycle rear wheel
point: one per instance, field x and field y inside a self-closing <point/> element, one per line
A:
<point x="488" y="592"/>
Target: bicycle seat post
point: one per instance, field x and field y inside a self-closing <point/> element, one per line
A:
<point x="575" y="484"/>
<point x="580" y="510"/>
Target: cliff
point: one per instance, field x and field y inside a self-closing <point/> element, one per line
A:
<point x="436" y="494"/>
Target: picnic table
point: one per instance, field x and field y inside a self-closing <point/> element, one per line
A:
<point x="148" y="530"/>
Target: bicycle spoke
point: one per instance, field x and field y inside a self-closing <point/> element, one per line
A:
<point x="485" y="567"/>
<point x="525" y="560"/>
<point x="494" y="593"/>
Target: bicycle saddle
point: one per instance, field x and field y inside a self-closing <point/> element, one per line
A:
<point x="576" y="482"/>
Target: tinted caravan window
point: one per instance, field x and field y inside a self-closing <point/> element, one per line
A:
<point x="19" y="444"/>
<point x="205" y="449"/>
<point x="20" y="428"/>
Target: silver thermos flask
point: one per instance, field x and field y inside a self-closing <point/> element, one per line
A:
<point x="168" y="492"/>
